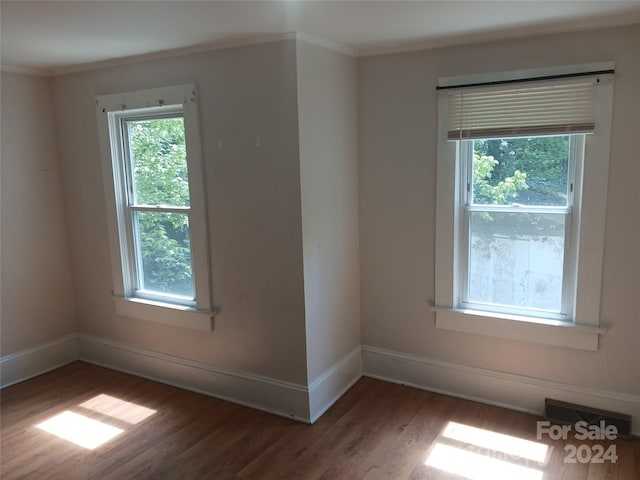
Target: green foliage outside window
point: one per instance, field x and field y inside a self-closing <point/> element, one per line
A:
<point x="520" y="171"/>
<point x="501" y="192"/>
<point x="528" y="171"/>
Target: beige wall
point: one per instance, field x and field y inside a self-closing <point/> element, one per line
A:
<point x="397" y="125"/>
<point x="253" y="200"/>
<point x="327" y="109"/>
<point x="332" y="179"/>
<point x="37" y="299"/>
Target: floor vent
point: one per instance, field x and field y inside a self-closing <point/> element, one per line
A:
<point x="570" y="413"/>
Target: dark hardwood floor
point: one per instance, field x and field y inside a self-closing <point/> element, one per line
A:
<point x="378" y="430"/>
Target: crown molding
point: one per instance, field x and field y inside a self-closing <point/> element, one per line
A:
<point x="442" y="42"/>
<point x="504" y="34"/>
<point x="176" y="52"/>
<point x="34" y="72"/>
<point x="207" y="47"/>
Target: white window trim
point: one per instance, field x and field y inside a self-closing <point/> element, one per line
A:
<point x="199" y="316"/>
<point x="584" y="329"/>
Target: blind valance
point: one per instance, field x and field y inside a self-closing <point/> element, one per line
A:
<point x="550" y="108"/>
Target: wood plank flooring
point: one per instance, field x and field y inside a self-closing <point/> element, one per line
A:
<point x="378" y="430"/>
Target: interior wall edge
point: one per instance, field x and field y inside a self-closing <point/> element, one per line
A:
<point x="325" y="390"/>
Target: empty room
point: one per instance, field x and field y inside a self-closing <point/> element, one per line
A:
<point x="320" y="240"/>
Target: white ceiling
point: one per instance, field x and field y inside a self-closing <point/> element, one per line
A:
<point x="58" y="36"/>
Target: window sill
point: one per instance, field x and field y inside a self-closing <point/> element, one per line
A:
<point x="529" y="329"/>
<point x="167" y="313"/>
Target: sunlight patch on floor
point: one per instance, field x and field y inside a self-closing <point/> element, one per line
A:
<point x="475" y="466"/>
<point x="480" y="454"/>
<point x="120" y="409"/>
<point x="83" y="431"/>
<point x="513" y="446"/>
<point x="89" y="432"/>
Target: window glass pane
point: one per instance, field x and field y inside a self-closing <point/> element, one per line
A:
<point x="158" y="161"/>
<point x="164" y="253"/>
<point x="526" y="171"/>
<point x="516" y="259"/>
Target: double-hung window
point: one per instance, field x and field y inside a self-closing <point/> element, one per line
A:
<point x="516" y="221"/>
<point x="154" y="187"/>
<point x="522" y="176"/>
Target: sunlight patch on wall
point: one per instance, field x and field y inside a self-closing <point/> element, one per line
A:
<point x="83" y="431"/>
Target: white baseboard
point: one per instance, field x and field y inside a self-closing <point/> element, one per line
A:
<point x="332" y="384"/>
<point x="516" y="392"/>
<point x="307" y="404"/>
<point x="274" y="396"/>
<point x="299" y="402"/>
<point x="37" y="360"/>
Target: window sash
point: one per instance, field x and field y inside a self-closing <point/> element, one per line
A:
<point x="166" y="113"/>
<point x="136" y="267"/>
<point x="465" y="274"/>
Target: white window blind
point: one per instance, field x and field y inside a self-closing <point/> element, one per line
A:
<point x="549" y="108"/>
